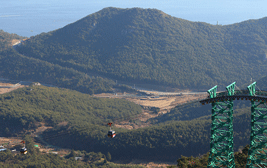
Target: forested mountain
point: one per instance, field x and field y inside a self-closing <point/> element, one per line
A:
<point x="19" y="67"/>
<point x="149" y="46"/>
<point x="86" y="128"/>
<point x="6" y="39"/>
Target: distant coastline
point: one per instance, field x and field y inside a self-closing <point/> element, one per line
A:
<point x="32" y="18"/>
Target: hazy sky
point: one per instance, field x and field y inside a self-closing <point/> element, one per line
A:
<point x="31" y="17"/>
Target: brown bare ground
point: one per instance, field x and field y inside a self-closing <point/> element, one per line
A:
<point x="165" y="103"/>
<point x="10" y="140"/>
<point x="41" y="129"/>
<point x="14" y="41"/>
<point x="150" y="164"/>
<point x="157" y="165"/>
<point x="8" y="87"/>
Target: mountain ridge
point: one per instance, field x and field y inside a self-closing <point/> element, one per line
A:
<point x="149" y="46"/>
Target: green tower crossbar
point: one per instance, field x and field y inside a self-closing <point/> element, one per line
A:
<point x="221" y="141"/>
<point x="252" y="89"/>
<point x="257" y="155"/>
<point x="231" y="89"/>
<point x="212" y="92"/>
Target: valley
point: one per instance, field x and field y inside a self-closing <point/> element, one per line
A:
<point x="10" y="142"/>
<point x="164" y="101"/>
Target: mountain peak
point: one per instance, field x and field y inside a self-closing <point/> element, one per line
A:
<point x="149" y="46"/>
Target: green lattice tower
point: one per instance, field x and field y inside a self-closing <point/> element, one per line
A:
<point x="231" y="91"/>
<point x="221" y="141"/>
<point x="257" y="156"/>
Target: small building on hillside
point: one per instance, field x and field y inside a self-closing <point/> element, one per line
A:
<point x="2" y="148"/>
<point x="78" y="158"/>
<point x="35" y="84"/>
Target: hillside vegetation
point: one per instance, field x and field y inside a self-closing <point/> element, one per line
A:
<point x="261" y="83"/>
<point x="85" y="128"/>
<point x="193" y="111"/>
<point x="22" y="108"/>
<point x="35" y="158"/>
<point x="163" y="142"/>
<point x="91" y="160"/>
<point x="19" y="67"/>
<point x="149" y="46"/>
<point x="6" y="39"/>
<point x="202" y="161"/>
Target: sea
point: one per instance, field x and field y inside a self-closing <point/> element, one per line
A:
<point x="32" y="17"/>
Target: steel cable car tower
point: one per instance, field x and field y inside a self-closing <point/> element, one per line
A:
<point x="257" y="155"/>
<point x="221" y="145"/>
<point x="221" y="141"/>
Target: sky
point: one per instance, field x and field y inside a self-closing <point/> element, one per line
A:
<point x="32" y="17"/>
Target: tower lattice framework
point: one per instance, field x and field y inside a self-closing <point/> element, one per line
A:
<point x="221" y="141"/>
<point x="257" y="156"/>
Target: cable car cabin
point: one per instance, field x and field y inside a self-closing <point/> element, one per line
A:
<point x="111" y="133"/>
<point x="23" y="151"/>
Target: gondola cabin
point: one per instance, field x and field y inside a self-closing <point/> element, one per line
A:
<point x="111" y="133"/>
<point x="23" y="151"/>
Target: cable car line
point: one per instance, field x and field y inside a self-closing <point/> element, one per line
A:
<point x="115" y="120"/>
<point x="111" y="133"/>
<point x="73" y="131"/>
<point x="62" y="133"/>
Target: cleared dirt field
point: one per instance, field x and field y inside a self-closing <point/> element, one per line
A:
<point x="10" y="141"/>
<point x="8" y="87"/>
<point x="148" y="164"/>
<point x="15" y="41"/>
<point x="165" y="103"/>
